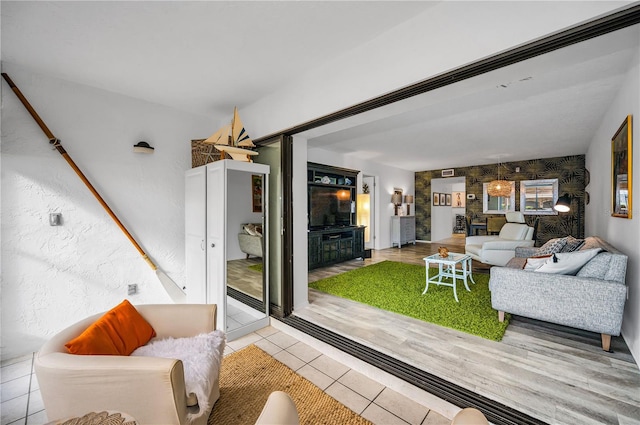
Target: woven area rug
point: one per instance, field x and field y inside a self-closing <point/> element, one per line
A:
<point x="248" y="377"/>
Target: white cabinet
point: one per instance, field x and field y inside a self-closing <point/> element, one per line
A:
<point x="219" y="199"/>
<point x="403" y="230"/>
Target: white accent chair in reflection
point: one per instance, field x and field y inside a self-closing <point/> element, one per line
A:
<point x="499" y="249"/>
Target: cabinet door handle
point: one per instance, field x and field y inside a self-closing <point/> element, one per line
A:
<point x="202" y="245"/>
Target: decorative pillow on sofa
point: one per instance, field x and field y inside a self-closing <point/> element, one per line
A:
<point x="572" y="244"/>
<point x="551" y="247"/>
<point x="534" y="263"/>
<point x="567" y="262"/>
<point x="118" y="332"/>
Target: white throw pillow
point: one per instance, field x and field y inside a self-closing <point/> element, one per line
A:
<point x="535" y="263"/>
<point x="567" y="262"/>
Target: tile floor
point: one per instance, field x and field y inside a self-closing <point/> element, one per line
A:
<point x="22" y="403"/>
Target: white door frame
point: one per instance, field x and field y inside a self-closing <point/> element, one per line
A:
<point x="372" y="182"/>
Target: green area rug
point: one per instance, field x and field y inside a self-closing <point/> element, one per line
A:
<point x="398" y="287"/>
<point x="256" y="267"/>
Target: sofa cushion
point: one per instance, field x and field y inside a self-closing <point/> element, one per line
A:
<point x="516" y="263"/>
<point x="605" y="266"/>
<point x="118" y="332"/>
<point x="567" y="262"/>
<point x="551" y="247"/>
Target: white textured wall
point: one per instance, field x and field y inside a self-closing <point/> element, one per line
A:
<point x="622" y="233"/>
<point x="54" y="276"/>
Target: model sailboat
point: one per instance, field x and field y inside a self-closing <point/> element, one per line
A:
<point x="233" y="140"/>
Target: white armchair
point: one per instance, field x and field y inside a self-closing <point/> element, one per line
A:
<point x="151" y="389"/>
<point x="499" y="249"/>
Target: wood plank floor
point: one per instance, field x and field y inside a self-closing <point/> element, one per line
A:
<point x="556" y="374"/>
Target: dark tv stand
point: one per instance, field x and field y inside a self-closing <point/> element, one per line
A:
<point x="334" y="245"/>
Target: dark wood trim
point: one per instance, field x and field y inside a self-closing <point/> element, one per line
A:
<point x="575" y="34"/>
<point x="285" y="306"/>
<point x="287" y="223"/>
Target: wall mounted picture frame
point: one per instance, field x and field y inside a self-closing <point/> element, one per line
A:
<point x="436" y="199"/>
<point x="537" y="197"/>
<point x="448" y="199"/>
<point x="621" y="168"/>
<point x="458" y="200"/>
<point x="256" y="193"/>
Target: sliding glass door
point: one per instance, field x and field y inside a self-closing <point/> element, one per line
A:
<point x="276" y="153"/>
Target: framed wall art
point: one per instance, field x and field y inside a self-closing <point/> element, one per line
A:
<point x="448" y="199"/>
<point x="458" y="199"/>
<point x="621" y="166"/>
<point x="436" y="199"/>
<point x="256" y="193"/>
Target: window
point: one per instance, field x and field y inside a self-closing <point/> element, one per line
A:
<point x="538" y="196"/>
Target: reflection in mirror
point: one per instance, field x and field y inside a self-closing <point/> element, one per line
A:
<point x="621" y="159"/>
<point x="246" y="301"/>
<point x="498" y="204"/>
<point x="538" y="196"/>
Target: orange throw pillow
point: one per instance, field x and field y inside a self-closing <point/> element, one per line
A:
<point x="118" y="332"/>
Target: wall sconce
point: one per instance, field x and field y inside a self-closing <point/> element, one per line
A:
<point x="142" y="147"/>
<point x="396" y="199"/>
<point x="408" y="200"/>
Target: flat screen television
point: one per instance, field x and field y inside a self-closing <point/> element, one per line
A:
<point x="329" y="206"/>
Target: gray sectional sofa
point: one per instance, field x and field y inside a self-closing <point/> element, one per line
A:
<point x="593" y="299"/>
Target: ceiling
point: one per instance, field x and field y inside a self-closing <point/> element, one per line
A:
<point x="544" y="107"/>
<point x="172" y="54"/>
<point x="200" y="56"/>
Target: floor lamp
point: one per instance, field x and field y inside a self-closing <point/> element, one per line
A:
<point x="563" y="205"/>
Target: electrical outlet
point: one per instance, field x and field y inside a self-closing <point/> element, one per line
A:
<point x="132" y="289"/>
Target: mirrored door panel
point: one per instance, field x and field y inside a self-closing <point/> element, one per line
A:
<point x="246" y="257"/>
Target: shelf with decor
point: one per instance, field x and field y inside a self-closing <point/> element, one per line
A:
<point x="333" y="234"/>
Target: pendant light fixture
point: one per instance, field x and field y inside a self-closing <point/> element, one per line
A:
<point x="499" y="187"/>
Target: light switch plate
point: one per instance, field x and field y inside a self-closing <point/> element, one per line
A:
<point x="55" y="219"/>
